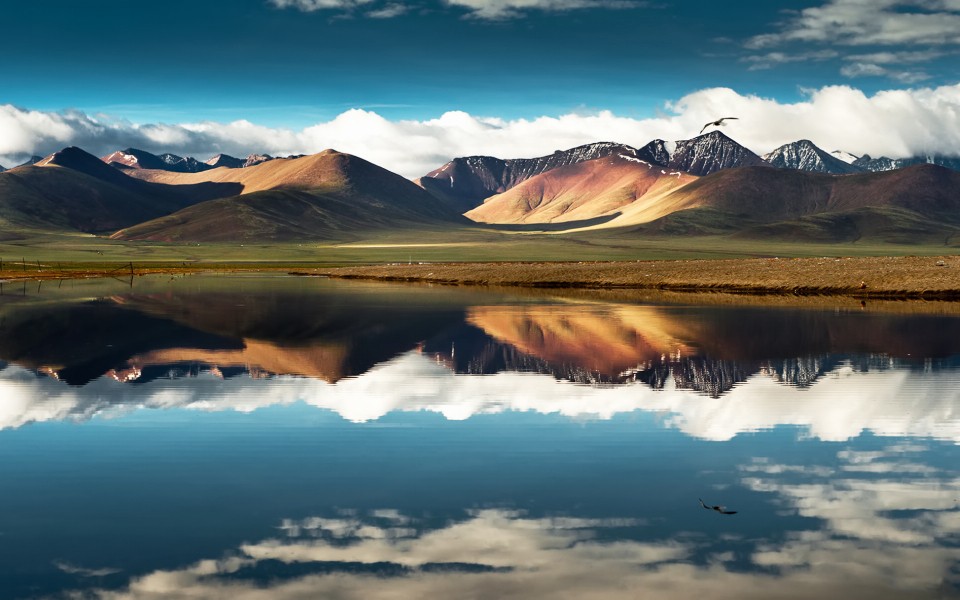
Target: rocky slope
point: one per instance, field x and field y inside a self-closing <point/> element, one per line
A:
<point x="804" y="155"/>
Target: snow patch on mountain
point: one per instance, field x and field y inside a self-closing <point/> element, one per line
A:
<point x="804" y="155"/>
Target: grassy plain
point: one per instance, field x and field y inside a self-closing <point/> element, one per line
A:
<point x="495" y="257"/>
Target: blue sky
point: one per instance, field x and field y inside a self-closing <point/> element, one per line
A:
<point x="288" y="65"/>
<point x="187" y="60"/>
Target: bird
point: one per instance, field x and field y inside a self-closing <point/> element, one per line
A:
<point x="718" y="123"/>
<point x="720" y="509"/>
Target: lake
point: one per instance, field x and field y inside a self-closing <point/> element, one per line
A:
<point x="283" y="437"/>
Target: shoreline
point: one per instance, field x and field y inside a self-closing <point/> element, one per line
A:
<point x="889" y="278"/>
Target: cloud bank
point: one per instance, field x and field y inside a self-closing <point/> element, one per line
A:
<point x="872" y="401"/>
<point x="895" y="123"/>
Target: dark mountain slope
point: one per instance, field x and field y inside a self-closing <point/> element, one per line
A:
<point x="72" y="190"/>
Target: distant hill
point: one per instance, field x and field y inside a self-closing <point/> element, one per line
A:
<point x="804" y="155"/>
<point x="31" y="161"/>
<point x="322" y="196"/>
<point x="72" y="190"/>
<point x="225" y="160"/>
<point x="584" y="191"/>
<point x="883" y="163"/>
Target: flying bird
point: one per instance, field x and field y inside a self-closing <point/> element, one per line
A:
<point x="718" y="123"/>
<point x="720" y="509"/>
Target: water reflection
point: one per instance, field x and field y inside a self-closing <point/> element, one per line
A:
<point x="329" y="331"/>
<point x="295" y="438"/>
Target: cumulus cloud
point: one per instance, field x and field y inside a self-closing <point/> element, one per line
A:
<point x="895" y="123"/>
<point x="520" y="557"/>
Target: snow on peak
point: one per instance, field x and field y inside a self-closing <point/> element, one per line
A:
<point x="844" y="156"/>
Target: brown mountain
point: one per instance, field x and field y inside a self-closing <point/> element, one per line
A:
<point x="72" y="190"/>
<point x="914" y="204"/>
<point x="329" y="195"/>
<point x="584" y="191"/>
<point x="465" y="182"/>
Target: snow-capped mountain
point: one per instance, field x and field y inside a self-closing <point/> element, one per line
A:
<point x="256" y="159"/>
<point x="657" y="152"/>
<point x="182" y="164"/>
<point x="132" y="158"/>
<point x="711" y="152"/>
<point x="225" y="160"/>
<point x="804" y="155"/>
<point x="844" y="156"/>
<point x="868" y="163"/>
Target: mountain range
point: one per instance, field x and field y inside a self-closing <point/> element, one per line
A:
<point x="709" y="185"/>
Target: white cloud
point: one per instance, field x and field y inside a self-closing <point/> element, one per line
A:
<point x="872" y="401"/>
<point x="866" y="69"/>
<point x="766" y="61"/>
<point x="543" y="558"/>
<point x="871" y="22"/>
<point x="895" y="123"/>
<point x="388" y="11"/>
<point x="314" y="5"/>
<point x="479" y="9"/>
<point x="503" y="9"/>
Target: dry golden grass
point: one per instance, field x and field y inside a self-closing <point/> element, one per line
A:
<point x="866" y="277"/>
<point x="861" y="277"/>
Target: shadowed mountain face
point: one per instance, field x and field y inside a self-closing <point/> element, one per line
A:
<point x="711" y="152"/>
<point x="328" y="331"/>
<point x="131" y="158"/>
<point x="912" y="205"/>
<point x="75" y="191"/>
<point x="805" y="156"/>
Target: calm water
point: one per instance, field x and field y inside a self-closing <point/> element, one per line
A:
<point x="302" y="438"/>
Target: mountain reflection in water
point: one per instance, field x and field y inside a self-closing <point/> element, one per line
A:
<point x="272" y="437"/>
<point x="328" y="331"/>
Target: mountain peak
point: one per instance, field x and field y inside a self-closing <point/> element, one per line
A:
<point x="711" y="152"/>
<point x="804" y="155"/>
<point x="465" y="182"/>
<point x="225" y="160"/>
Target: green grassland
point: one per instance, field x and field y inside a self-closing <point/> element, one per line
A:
<point x="442" y="245"/>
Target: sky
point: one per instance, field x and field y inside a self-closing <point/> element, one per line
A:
<point x="410" y="84"/>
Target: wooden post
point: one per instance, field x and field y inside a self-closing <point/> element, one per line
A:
<point x="39" y="268"/>
<point x="23" y="263"/>
<point x="131" y="268"/>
